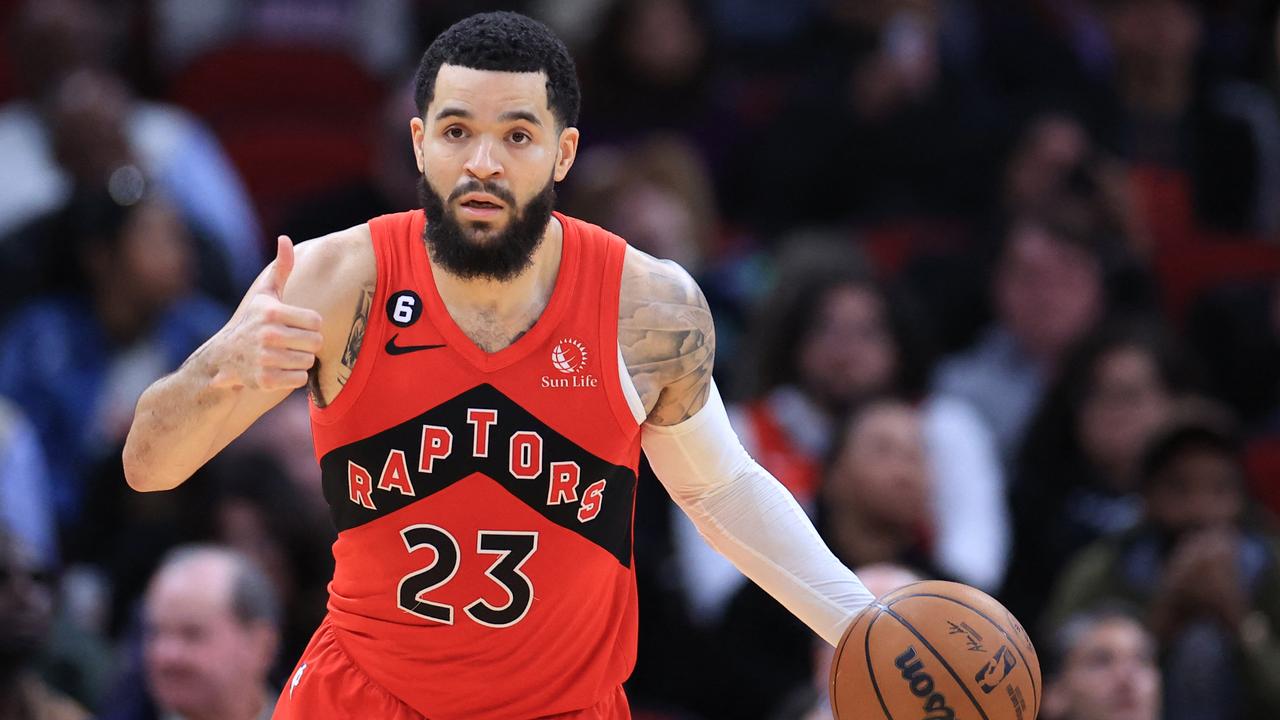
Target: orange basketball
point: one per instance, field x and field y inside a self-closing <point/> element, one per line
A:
<point x="935" y="651"/>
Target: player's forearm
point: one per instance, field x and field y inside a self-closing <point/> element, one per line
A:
<point x="264" y="353"/>
<point x="177" y="424"/>
<point x="759" y="527"/>
<point x="747" y="516"/>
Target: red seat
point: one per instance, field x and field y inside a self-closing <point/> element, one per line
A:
<point x="286" y="162"/>
<point x="1164" y="200"/>
<point x="230" y="83"/>
<point x="1188" y="259"/>
<point x="893" y="244"/>
<point x="1187" y="271"/>
<point x="295" y="120"/>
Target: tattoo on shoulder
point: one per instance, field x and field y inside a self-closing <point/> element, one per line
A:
<point x="667" y="337"/>
<point x="356" y="338"/>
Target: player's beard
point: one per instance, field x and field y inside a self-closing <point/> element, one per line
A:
<point x="500" y="256"/>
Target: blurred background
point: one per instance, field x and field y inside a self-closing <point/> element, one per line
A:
<point x="996" y="284"/>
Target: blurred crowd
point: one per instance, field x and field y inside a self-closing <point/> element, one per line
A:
<point x="997" y="292"/>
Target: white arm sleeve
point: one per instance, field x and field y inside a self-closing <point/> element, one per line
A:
<point x="748" y="516"/>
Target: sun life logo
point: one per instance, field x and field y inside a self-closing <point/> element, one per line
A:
<point x="568" y="356"/>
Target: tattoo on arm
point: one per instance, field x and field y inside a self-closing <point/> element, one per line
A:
<point x="667" y="338"/>
<point x="354" y="340"/>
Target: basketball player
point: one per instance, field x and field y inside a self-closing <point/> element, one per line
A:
<point x="484" y="373"/>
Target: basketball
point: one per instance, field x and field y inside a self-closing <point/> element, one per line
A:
<point x="935" y="650"/>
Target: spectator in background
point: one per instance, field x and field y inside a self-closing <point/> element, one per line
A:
<point x="1173" y="114"/>
<point x="575" y="21"/>
<point x="829" y="338"/>
<point x="76" y="362"/>
<point x="1048" y="289"/>
<point x="877" y="494"/>
<point x="1049" y="159"/>
<point x="1235" y="328"/>
<point x="85" y="130"/>
<point x="1208" y="577"/>
<point x="284" y="433"/>
<point x="259" y="512"/>
<point x="875" y="504"/>
<point x="52" y="40"/>
<point x="759" y="27"/>
<point x="1056" y="165"/>
<point x="1077" y="472"/>
<point x="88" y="135"/>
<point x="1054" y="170"/>
<point x="1101" y="665"/>
<point x="905" y="133"/>
<point x="377" y="32"/>
<point x="650" y="70"/>
<point x="657" y="192"/>
<point x="26" y="504"/>
<point x="389" y="186"/>
<point x="653" y="67"/>
<point x="26" y="619"/>
<point x="211" y="619"/>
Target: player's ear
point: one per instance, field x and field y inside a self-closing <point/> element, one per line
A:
<point x="566" y="152"/>
<point x="418" y="130"/>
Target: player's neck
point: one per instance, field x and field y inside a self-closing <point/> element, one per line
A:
<point x="509" y="299"/>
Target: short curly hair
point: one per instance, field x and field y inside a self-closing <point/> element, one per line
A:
<point x="506" y="42"/>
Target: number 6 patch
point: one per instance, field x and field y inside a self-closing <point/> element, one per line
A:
<point x="404" y="308"/>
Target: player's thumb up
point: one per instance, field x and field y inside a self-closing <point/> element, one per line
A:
<point x="280" y="269"/>
<point x="268" y="344"/>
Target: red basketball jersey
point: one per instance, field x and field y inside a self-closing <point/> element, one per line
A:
<point x="484" y="501"/>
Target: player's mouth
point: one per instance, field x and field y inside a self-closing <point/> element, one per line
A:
<point x="480" y="207"/>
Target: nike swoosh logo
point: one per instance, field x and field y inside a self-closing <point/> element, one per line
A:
<point x="394" y="349"/>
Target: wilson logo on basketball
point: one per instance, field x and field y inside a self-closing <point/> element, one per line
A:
<point x="568" y="356"/>
<point x="921" y="685"/>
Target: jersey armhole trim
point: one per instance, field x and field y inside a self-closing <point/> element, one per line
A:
<point x="614" y="369"/>
<point x="367" y="355"/>
<point x="629" y="390"/>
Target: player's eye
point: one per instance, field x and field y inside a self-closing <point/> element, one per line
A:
<point x="454" y="132"/>
<point x="520" y="137"/>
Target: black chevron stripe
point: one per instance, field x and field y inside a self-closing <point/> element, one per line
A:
<point x="610" y="529"/>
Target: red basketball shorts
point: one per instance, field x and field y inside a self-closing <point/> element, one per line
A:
<point x="327" y="685"/>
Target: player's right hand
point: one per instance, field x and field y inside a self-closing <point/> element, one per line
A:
<point x="269" y="345"/>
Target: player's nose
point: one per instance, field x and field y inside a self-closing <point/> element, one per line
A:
<point x="483" y="161"/>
